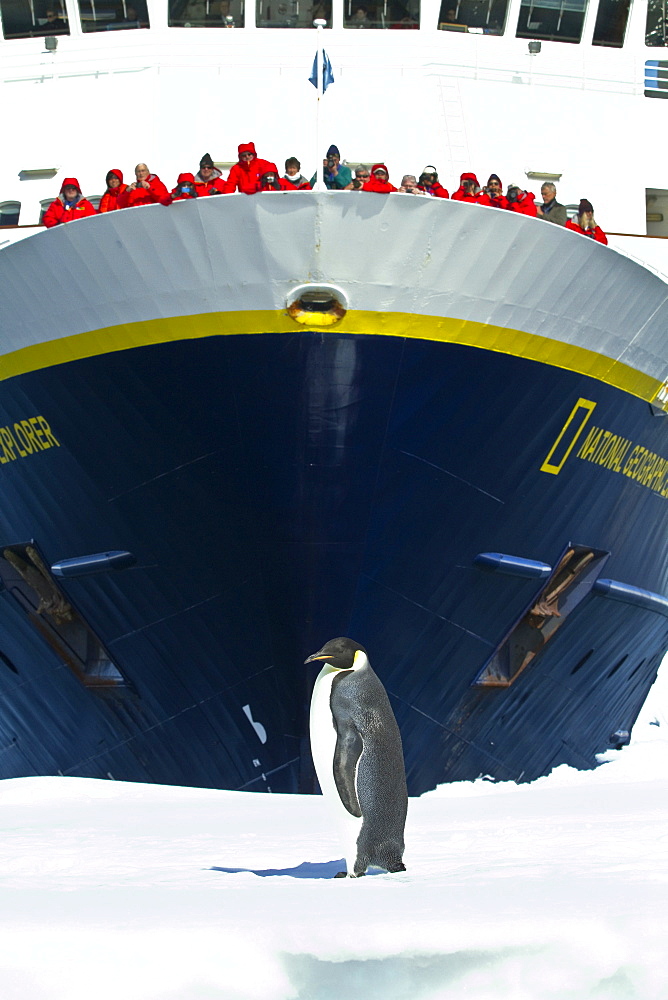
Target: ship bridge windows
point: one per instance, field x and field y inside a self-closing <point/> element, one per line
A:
<point x="401" y="14"/>
<point x="9" y="213"/>
<point x="33" y="18"/>
<point x="25" y="578"/>
<point x="292" y="13"/>
<point x="206" y="13"/>
<point x="552" y="20"/>
<point x="486" y="17"/>
<point x="112" y="15"/>
<point x="611" y="21"/>
<point x="655" y="30"/>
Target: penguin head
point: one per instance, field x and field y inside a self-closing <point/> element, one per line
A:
<point x="341" y="654"/>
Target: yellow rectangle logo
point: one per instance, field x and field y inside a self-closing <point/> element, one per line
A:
<point x="568" y="436"/>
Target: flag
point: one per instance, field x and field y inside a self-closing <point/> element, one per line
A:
<point x="327" y="73"/>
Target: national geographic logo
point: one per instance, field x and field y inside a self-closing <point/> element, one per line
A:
<point x="607" y="449"/>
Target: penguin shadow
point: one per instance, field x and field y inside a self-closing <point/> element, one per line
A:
<point x="307" y="869"/>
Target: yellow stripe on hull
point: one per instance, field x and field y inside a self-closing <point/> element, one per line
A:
<point x="451" y="331"/>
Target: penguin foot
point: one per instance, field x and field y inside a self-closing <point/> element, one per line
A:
<point x="401" y="867"/>
<point x="341" y="875"/>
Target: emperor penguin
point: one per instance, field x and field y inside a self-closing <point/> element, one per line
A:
<point x="356" y="748"/>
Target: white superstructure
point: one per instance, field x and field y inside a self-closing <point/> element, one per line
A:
<point x="473" y="98"/>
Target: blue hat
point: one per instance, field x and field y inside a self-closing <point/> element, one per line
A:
<point x="334" y="151"/>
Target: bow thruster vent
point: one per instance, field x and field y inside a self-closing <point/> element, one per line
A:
<point x="317" y="305"/>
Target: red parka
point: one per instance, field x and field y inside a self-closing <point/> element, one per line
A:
<point x="593" y="234"/>
<point x="245" y="174"/>
<point x="109" y="200"/>
<point x="300" y="183"/>
<point x="436" y="190"/>
<point x="178" y="194"/>
<point x="475" y="199"/>
<point x="525" y="204"/>
<point x="154" y="193"/>
<point x="62" y="211"/>
<point x="375" y="184"/>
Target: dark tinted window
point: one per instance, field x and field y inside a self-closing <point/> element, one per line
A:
<point x="292" y="13"/>
<point x="112" y="15"/>
<point x="611" y="21"/>
<point x="398" y="14"/>
<point x="487" y="17"/>
<point x="9" y="213"/>
<point x="655" y="33"/>
<point x="206" y="13"/>
<point x="552" y="20"/>
<point x="23" y="18"/>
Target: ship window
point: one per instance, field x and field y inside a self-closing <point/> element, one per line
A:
<point x="655" y="31"/>
<point x="398" y="14"/>
<point x="567" y="586"/>
<point x="486" y="17"/>
<point x="28" y="581"/>
<point x="112" y="15"/>
<point x="611" y="20"/>
<point x="552" y="20"/>
<point x="292" y="13"/>
<point x="31" y="18"/>
<point x="9" y="213"/>
<point x="206" y="13"/>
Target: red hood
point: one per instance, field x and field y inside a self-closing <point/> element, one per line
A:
<point x="468" y="177"/>
<point x="116" y="172"/>
<point x="246" y="147"/>
<point x="186" y="179"/>
<point x="380" y="166"/>
<point x="70" y="182"/>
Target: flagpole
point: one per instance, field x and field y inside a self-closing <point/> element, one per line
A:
<point x="319" y="179"/>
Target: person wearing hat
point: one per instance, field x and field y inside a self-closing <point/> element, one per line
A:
<point x="209" y="180"/>
<point x="337" y="176"/>
<point x="185" y="188"/>
<point x="521" y="201"/>
<point x="270" y="181"/>
<point x="494" y="191"/>
<point x="245" y="174"/>
<point x="428" y="183"/>
<point x="115" y="187"/>
<point x="585" y="224"/>
<point x="379" y="180"/>
<point x="551" y="210"/>
<point x="469" y="190"/>
<point x="69" y="205"/>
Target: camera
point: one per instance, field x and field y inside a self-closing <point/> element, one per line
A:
<point x="330" y="162"/>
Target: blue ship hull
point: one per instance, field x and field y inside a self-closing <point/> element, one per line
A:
<point x="276" y="490"/>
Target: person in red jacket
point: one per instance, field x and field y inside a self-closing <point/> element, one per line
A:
<point x="585" y="224"/>
<point x="270" y="181"/>
<point x="115" y="188"/>
<point x="429" y="183"/>
<point x="469" y="190"/>
<point x="69" y="205"/>
<point x="494" y="191"/>
<point x="521" y="201"/>
<point x="185" y="188"/>
<point x="245" y="174"/>
<point x="148" y="189"/>
<point x="379" y="180"/>
<point x="209" y="180"/>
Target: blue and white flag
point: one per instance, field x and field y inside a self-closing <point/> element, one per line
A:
<point x="327" y="73"/>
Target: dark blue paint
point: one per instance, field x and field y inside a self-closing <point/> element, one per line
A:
<point x="279" y="490"/>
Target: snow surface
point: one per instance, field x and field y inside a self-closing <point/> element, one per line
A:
<point x="556" y="890"/>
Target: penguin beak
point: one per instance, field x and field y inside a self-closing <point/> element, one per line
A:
<point x="316" y="656"/>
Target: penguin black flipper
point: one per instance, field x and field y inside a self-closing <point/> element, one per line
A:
<point x="348" y="749"/>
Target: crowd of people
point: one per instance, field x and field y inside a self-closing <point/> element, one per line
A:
<point x="251" y="175"/>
